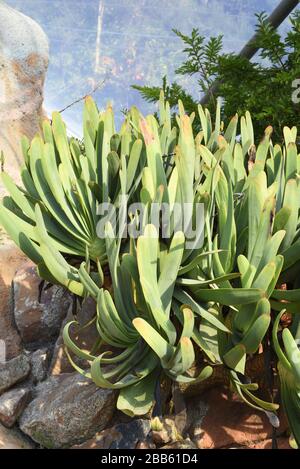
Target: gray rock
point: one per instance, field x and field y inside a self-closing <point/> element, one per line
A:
<point x="38" y="319"/>
<point x="12" y="404"/>
<point x="68" y="409"/>
<point x="12" y="438"/>
<point x="14" y="371"/>
<point x="120" y="436"/>
<point x="85" y="339"/>
<point x="130" y="434"/>
<point x="40" y="360"/>
<point x="60" y="363"/>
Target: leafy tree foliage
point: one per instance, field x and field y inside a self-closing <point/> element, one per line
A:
<point x="264" y="87"/>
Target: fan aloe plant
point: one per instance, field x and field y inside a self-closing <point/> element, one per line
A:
<point x="256" y="194"/>
<point x="139" y="326"/>
<point x="169" y="298"/>
<point x="198" y="282"/>
<point x="63" y="183"/>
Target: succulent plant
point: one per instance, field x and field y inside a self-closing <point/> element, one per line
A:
<point x="63" y="183"/>
<point x="169" y="297"/>
<point x="289" y="373"/>
<point x="139" y="326"/>
<point x="172" y="284"/>
<point x="256" y="197"/>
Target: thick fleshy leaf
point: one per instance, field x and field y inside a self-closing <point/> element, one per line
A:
<point x="138" y="398"/>
<point x="234" y="296"/>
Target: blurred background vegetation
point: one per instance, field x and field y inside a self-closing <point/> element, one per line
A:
<point x="263" y="86"/>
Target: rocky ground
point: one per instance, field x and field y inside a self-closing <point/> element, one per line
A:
<point x="45" y="404"/>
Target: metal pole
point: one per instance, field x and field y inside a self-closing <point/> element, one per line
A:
<point x="280" y="13"/>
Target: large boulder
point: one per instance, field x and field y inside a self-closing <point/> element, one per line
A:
<point x="24" y="56"/>
<point x="68" y="409"/>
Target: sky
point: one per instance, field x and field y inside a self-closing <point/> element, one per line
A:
<point x="127" y="42"/>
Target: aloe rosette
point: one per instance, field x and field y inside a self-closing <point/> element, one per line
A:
<point x="140" y="323"/>
<point x="63" y="183"/>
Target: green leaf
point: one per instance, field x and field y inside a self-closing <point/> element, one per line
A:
<point x="186" y="299"/>
<point x="230" y="297"/>
<point x="147" y="257"/>
<point x="138" y="398"/>
<point x="170" y="269"/>
<point x="158" y="344"/>
<point x="257" y="331"/>
<point x="235" y="358"/>
<point x="292" y="352"/>
<point x="188" y="322"/>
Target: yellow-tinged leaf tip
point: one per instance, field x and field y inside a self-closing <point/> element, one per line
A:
<point x="146" y="132"/>
<point x="185" y="340"/>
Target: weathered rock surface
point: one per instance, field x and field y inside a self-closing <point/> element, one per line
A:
<point x="220" y="377"/>
<point x="85" y="339"/>
<point x="60" y="363"/>
<point x="13" y="439"/>
<point x="24" y="59"/>
<point x="14" y="371"/>
<point x="38" y="321"/>
<point x="40" y="360"/>
<point x="67" y="410"/>
<point x="148" y="444"/>
<point x="282" y="443"/>
<point x="89" y="335"/>
<point x="11" y="259"/>
<point x="183" y="444"/>
<point x="221" y="421"/>
<point x="121" y="436"/>
<point x="12" y="404"/>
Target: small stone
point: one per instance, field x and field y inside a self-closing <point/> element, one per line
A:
<point x="14" y="439"/>
<point x="167" y="434"/>
<point x="38" y="319"/>
<point x="145" y="445"/>
<point x="121" y="436"/>
<point x="40" y="360"/>
<point x="68" y="409"/>
<point x="14" y="371"/>
<point x="12" y="404"/>
<point x="183" y="444"/>
<point x="161" y="438"/>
